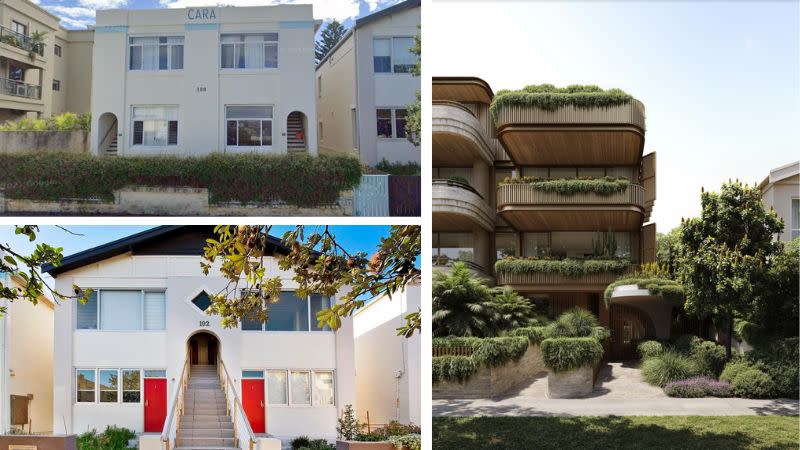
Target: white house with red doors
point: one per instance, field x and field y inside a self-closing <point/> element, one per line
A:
<point x="143" y="354"/>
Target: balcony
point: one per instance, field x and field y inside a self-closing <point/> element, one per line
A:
<point x="444" y="264"/>
<point x="19" y="89"/>
<point x="540" y="281"/>
<point x="458" y="136"/>
<point x="462" y="89"/>
<point x="21" y="41"/>
<point x="527" y="208"/>
<point x="573" y="136"/>
<point x="459" y="207"/>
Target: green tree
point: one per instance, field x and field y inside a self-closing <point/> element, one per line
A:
<point x="725" y="252"/>
<point x="513" y="310"/>
<point x="414" y="111"/>
<point x="667" y="250"/>
<point x="330" y="36"/>
<point x="462" y="305"/>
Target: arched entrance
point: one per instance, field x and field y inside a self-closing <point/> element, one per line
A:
<point x="203" y="348"/>
<point x="296" y="132"/>
<point x="107" y="128"/>
<point x="629" y="327"/>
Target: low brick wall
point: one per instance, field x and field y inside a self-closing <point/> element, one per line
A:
<point x="54" y="442"/>
<point x="496" y="381"/>
<point x="44" y="141"/>
<point x="574" y="383"/>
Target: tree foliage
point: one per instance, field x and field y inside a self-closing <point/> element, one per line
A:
<point x="414" y="110"/>
<point x="667" y="249"/>
<point x="330" y="36"/>
<point x="461" y="304"/>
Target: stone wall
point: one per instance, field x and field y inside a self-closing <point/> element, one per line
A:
<point x="574" y="383"/>
<point x="496" y="381"/>
<point x="44" y="141"/>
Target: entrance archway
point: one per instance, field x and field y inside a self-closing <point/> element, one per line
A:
<point x="296" y="132"/>
<point x="629" y="327"/>
<point x="203" y="348"/>
<point x="107" y="134"/>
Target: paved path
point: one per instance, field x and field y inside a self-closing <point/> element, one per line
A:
<point x="619" y="391"/>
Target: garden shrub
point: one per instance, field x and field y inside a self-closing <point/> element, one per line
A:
<point x="570" y="186"/>
<point x="655" y="285"/>
<point x="452" y="368"/>
<point x="89" y="441"/>
<point x="709" y="357"/>
<point x="550" y="98"/>
<point x="575" y="322"/>
<point x="492" y="352"/>
<point x="407" y="441"/>
<point x="683" y="343"/>
<point x="113" y="438"/>
<point x="600" y="333"/>
<point x="667" y="367"/>
<point x="734" y="368"/>
<point x="534" y="334"/>
<point x="569" y="267"/>
<point x="63" y="122"/>
<point x="566" y="353"/>
<point x="398" y="168"/>
<point x="301" y="180"/>
<point x="649" y="349"/>
<point x="395" y="428"/>
<point x="784" y="376"/>
<point x="753" y="383"/>
<point x="699" y="387"/>
<point x="300" y="441"/>
<point x="318" y="444"/>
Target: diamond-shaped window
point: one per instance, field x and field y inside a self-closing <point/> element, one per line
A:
<point x="202" y="302"/>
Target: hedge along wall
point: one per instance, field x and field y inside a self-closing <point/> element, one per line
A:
<point x="300" y="180"/>
<point x="569" y="267"/>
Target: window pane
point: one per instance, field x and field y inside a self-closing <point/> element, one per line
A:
<point x="172" y="132"/>
<point x="573" y="244"/>
<point x="323" y="388"/>
<point x="249" y="133"/>
<point x="177" y="57"/>
<point x="400" y="122"/>
<point x="84" y="382"/>
<point x="271" y="37"/>
<point x="231" y="133"/>
<point x="131" y="392"/>
<point x="254" y="51"/>
<point x="163" y="59"/>
<point x="535" y="244"/>
<point x="154" y="311"/>
<point x="381" y="55"/>
<point x="138" y="132"/>
<point x="149" y="57"/>
<point x="301" y="388"/>
<point x="318" y="303"/>
<point x="266" y="132"/>
<point x="271" y="55"/>
<point x="109" y="384"/>
<point x="455" y="246"/>
<point x="535" y="172"/>
<point x="248" y="112"/>
<point x="795" y="213"/>
<point x="121" y="310"/>
<point x="276" y="387"/>
<point x="252" y="374"/>
<point x="252" y="325"/>
<point x="155" y="373"/>
<point x="505" y="244"/>
<point x="623" y="244"/>
<point x="228" y="56"/>
<point x="404" y="60"/>
<point x="136" y="57"/>
<point x="289" y="314"/>
<point x="384" y="123"/>
<point x="87" y="313"/>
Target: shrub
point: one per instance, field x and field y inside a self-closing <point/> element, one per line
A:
<point x="492" y="352"/>
<point x="649" y="349"/>
<point x="709" y="357"/>
<point x="320" y="444"/>
<point x="600" y="333"/>
<point x="571" y="186"/>
<point x="300" y="180"/>
<point x="655" y="285"/>
<point x="398" y="168"/>
<point x="117" y="438"/>
<point x="407" y="441"/>
<point x="566" y="353"/>
<point x="734" y="368"/>
<point x="698" y="387"/>
<point x="370" y="437"/>
<point x="300" y="441"/>
<point x="753" y="383"/>
<point x="550" y="98"/>
<point x="534" y="334"/>
<point x="89" y="441"/>
<point x="452" y="368"/>
<point x="667" y="367"/>
<point x="348" y="426"/>
<point x="575" y="322"/>
<point x="568" y="267"/>
<point x="784" y="376"/>
<point x="64" y="122"/>
<point x="683" y="343"/>
<point x="395" y="428"/>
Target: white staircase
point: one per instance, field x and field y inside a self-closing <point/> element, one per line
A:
<point x="295" y="134"/>
<point x="205" y="423"/>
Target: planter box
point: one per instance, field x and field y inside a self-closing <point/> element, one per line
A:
<point x="356" y="445"/>
<point x="52" y="442"/>
<point x="574" y="383"/>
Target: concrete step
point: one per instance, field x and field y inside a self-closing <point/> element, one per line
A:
<point x="206" y="432"/>
<point x="193" y="411"/>
<point x="204" y="441"/>
<point x="206" y="448"/>
<point x="221" y="426"/>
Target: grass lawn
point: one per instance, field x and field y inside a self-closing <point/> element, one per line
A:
<point x="684" y="432"/>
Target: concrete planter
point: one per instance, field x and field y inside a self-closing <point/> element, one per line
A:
<point x="44" y="141"/>
<point x="52" y="442"/>
<point x="356" y="445"/>
<point x="575" y="383"/>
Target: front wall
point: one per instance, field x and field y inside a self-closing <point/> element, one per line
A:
<point x="779" y="196"/>
<point x="337" y="99"/>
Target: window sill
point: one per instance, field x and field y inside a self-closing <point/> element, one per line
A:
<point x="248" y="71"/>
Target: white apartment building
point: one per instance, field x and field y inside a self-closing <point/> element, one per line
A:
<point x="119" y="357"/>
<point x="781" y="191"/>
<point x="193" y="81"/>
<point x="364" y="86"/>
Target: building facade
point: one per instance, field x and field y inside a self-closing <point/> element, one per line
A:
<point x="364" y="86"/>
<point x="781" y="192"/>
<point x="484" y="211"/>
<point x="146" y="320"/>
<point x="193" y="81"/>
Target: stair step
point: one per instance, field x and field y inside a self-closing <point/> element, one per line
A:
<point x="207" y="432"/>
<point x="223" y="426"/>
<point x="204" y="441"/>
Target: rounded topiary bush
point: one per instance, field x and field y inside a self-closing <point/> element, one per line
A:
<point x="648" y="349"/>
<point x="667" y="367"/>
<point x="734" y="368"/>
<point x="709" y="357"/>
<point x="753" y="383"/>
<point x="567" y="353"/>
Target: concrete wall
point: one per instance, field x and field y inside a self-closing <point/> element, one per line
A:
<point x="182" y="280"/>
<point x="336" y="100"/>
<point x="44" y="141"/>
<point x="779" y="195"/>
<point x="77" y="57"/>
<point x="388" y="366"/>
<point x="574" y="383"/>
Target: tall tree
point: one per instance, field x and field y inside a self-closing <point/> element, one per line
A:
<point x="667" y="250"/>
<point x="330" y="36"/>
<point x="726" y="251"/>
<point x="414" y="111"/>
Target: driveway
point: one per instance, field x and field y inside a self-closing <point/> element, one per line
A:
<point x="619" y="391"/>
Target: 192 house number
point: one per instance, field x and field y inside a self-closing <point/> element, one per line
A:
<point x="205" y="323"/>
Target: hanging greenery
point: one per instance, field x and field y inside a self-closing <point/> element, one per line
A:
<point x="550" y="98"/>
<point x="572" y="186"/>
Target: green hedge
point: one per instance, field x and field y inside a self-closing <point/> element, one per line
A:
<point x="566" y="353"/>
<point x="669" y="289"/>
<point x="550" y="98"/>
<point x="398" y="168"/>
<point x="569" y="267"/>
<point x="63" y="122"/>
<point x="452" y="368"/>
<point x="300" y="180"/>
<point x="534" y="334"/>
<point x="571" y="186"/>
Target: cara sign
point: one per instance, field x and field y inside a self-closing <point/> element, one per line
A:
<point x="201" y="13"/>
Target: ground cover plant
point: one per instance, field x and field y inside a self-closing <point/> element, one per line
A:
<point x="668" y="367"/>
<point x="113" y="438"/>
<point x="571" y="186"/>
<point x="699" y="387"/>
<point x="300" y="180"/>
<point x="550" y="98"/>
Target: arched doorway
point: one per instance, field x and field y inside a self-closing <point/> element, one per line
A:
<point x="203" y="348"/>
<point x="107" y="134"/>
<point x="296" y="132"/>
<point x="629" y="327"/>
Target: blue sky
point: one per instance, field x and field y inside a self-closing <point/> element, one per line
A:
<point x="78" y="14"/>
<point x="719" y="80"/>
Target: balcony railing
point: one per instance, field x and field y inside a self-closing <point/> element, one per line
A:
<point x="630" y="114"/>
<point x="444" y="261"/>
<point x="525" y="194"/>
<point x="458" y="136"/>
<point x="19" y="40"/>
<point x="461" y="203"/>
<point x="20" y="89"/>
<point x="556" y="281"/>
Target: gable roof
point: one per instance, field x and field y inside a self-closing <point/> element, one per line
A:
<point x="780" y="173"/>
<point x="161" y="240"/>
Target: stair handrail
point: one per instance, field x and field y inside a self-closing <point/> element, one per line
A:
<point x="176" y="403"/>
<point x="225" y="381"/>
<point x="105" y="137"/>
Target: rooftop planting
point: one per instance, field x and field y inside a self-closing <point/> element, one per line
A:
<point x="571" y="186"/>
<point x="569" y="267"/>
<point x="550" y="98"/>
<point x="655" y="279"/>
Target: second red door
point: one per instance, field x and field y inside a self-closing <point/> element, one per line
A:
<point x="253" y="403"/>
<point x="155" y="404"/>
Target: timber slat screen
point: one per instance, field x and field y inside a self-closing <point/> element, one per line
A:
<point x="629" y="327"/>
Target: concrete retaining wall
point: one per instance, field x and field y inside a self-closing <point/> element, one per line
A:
<point x="44" y="141"/>
<point x="487" y="383"/>
<point x="574" y="383"/>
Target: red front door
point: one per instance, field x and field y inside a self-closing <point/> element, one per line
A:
<point x="155" y="404"/>
<point x="253" y="403"/>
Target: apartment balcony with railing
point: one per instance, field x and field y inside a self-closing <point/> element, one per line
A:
<point x="20" y="89"/>
<point x="21" y="41"/>
<point x="457" y="206"/>
<point x="459" y="137"/>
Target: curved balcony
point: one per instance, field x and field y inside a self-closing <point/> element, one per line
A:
<point x="458" y="137"/>
<point x="462" y="89"/>
<point x="571" y="136"/>
<point x="445" y="264"/>
<point x="529" y="209"/>
<point x="458" y="207"/>
<point x="555" y="282"/>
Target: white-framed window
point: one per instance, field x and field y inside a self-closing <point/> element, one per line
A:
<point x="155" y="126"/>
<point x="249" y="51"/>
<point x="122" y="310"/>
<point x="108" y="385"/>
<point x="393" y="54"/>
<point x="795" y="220"/>
<point x="85" y="385"/>
<point x="323" y="388"/>
<point x="248" y="125"/>
<point x="56" y="85"/>
<point x="57" y="50"/>
<point x="131" y="385"/>
<point x="292" y="313"/>
<point x="391" y="123"/>
<point x="152" y="53"/>
<point x="277" y="392"/>
<point x="298" y="387"/>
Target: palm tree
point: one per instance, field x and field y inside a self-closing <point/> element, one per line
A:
<point x="462" y="305"/>
<point x="514" y="310"/>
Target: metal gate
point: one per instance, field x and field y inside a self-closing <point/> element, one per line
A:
<point x="629" y="327"/>
<point x="371" y="197"/>
<point x="404" y="195"/>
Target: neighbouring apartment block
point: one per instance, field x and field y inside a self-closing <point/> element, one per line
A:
<point x="364" y="86"/>
<point x="120" y="356"/>
<point x="487" y="206"/>
<point x="781" y="192"/>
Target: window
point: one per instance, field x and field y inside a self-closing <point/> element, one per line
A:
<point x="391" y="122"/>
<point x="57" y="50"/>
<point x="84" y="384"/>
<point x="319" y="303"/>
<point x="131" y="391"/>
<point x="277" y="393"/>
<point x="155" y="373"/>
<point x="202" y="301"/>
<point x="535" y="244"/>
<point x="56" y="85"/>
<point x="505" y="244"/>
<point x="573" y="244"/>
<point x="155" y="311"/>
<point x="400" y="123"/>
<point x="19" y="28"/>
<point x="450" y="247"/>
<point x="300" y="388"/>
<point x="109" y="384"/>
<point x="249" y="126"/>
<point x="249" y="51"/>
<point x="257" y="374"/>
<point x="290" y="313"/>
<point x="384" y="122"/>
<point x="156" y="53"/>
<point x="155" y="125"/>
<point x="323" y="388"/>
<point x="393" y="55"/>
<point x="108" y="309"/>
<point x="795" y="217"/>
<point x="15" y="73"/>
<point x="623" y="240"/>
<point x="87" y="313"/>
<point x="120" y="310"/>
